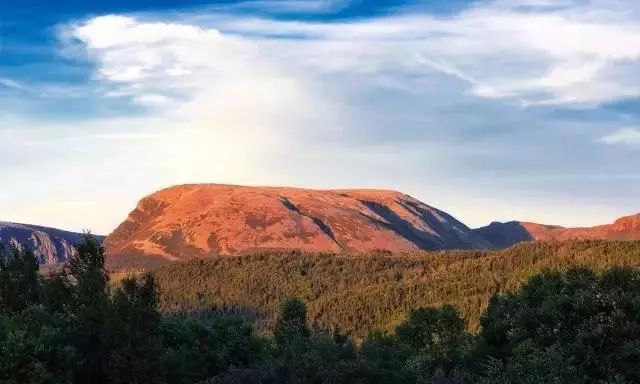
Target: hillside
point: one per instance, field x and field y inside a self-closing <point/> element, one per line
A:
<point x="193" y="221"/>
<point x="360" y="293"/>
<point x="510" y="233"/>
<point x="50" y="245"/>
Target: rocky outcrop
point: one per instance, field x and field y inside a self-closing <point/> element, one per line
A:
<point x="50" y="245"/>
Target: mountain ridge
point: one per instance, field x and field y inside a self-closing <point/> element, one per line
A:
<point x="50" y="245"/>
<point x="509" y="233"/>
<point x="200" y="220"/>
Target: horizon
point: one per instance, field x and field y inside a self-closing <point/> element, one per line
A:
<point x="488" y="110"/>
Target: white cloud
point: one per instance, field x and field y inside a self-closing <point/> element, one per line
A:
<point x="570" y="54"/>
<point x="396" y="101"/>
<point x="152" y="100"/>
<point x="564" y="55"/>
<point x="204" y="79"/>
<point x="627" y="135"/>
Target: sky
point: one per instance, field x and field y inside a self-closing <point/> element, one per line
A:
<point x="490" y="110"/>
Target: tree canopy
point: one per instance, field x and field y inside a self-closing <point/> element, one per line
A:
<point x="562" y="325"/>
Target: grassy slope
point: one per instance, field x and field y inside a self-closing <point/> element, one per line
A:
<point x="362" y="293"/>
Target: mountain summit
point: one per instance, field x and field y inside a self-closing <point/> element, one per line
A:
<point x="200" y="220"/>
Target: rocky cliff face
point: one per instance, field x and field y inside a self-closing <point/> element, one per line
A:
<point x="507" y="234"/>
<point x="202" y="220"/>
<point x="50" y="245"/>
<point x="630" y="224"/>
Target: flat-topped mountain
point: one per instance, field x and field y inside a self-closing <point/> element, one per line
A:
<point x="50" y="245"/>
<point x="507" y="234"/>
<point x="202" y="220"/>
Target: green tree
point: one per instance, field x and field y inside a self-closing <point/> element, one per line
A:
<point x="74" y="327"/>
<point x="134" y="333"/>
<point x="386" y="358"/>
<point x="292" y="331"/>
<point x="194" y="351"/>
<point x="430" y="346"/>
<point x="19" y="279"/>
<point x="568" y="326"/>
<point x="437" y="335"/>
<point x="91" y="310"/>
<point x="35" y="348"/>
<point x="34" y="342"/>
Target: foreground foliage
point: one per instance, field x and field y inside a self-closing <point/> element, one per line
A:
<point x="563" y="325"/>
<point x="74" y="327"/>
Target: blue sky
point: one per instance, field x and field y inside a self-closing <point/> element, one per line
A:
<point x="490" y="110"/>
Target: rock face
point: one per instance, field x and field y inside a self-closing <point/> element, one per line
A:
<point x="208" y="219"/>
<point x="507" y="234"/>
<point x="50" y="245"/>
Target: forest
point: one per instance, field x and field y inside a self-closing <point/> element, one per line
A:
<point x="546" y="313"/>
<point x="362" y="293"/>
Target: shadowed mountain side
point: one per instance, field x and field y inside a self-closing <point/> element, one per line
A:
<point x="50" y="245"/>
<point x="507" y="234"/>
<point x="321" y="225"/>
<point x="504" y="235"/>
<point x="450" y="232"/>
<point x="202" y="220"/>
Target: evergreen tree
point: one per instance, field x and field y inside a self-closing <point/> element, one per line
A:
<point x="573" y="326"/>
<point x="292" y="332"/>
<point x="438" y="338"/>
<point x="90" y="309"/>
<point x="19" y="279"/>
<point x="134" y="333"/>
<point x="568" y="327"/>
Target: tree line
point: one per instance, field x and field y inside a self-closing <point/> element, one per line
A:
<point x="562" y="325"/>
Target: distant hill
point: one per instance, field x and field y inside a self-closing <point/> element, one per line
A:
<point x="50" y="245"/>
<point x="360" y="293"/>
<point x="510" y="233"/>
<point x="202" y="220"/>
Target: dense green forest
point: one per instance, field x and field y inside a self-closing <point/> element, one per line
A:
<point x="367" y="292"/>
<point x="565" y="324"/>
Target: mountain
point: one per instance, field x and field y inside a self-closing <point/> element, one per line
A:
<point x="50" y="245"/>
<point x="200" y="220"/>
<point x="507" y="234"/>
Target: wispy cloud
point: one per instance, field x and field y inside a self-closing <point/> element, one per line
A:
<point x="13" y="84"/>
<point x="426" y="102"/>
<point x="570" y="55"/>
<point x="286" y="6"/>
<point x="128" y="136"/>
<point x="627" y="135"/>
